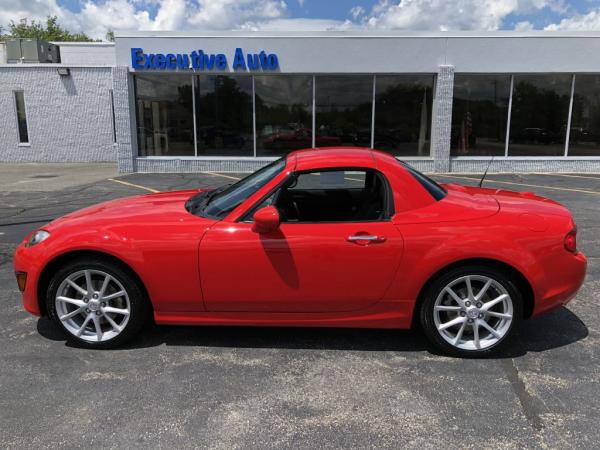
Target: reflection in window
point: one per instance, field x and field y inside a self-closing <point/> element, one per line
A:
<point x="584" y="139"/>
<point x="403" y="114"/>
<point x="479" y="113"/>
<point x="164" y="115"/>
<point x="21" y="117"/>
<point x="224" y="115"/>
<point x="283" y="113"/>
<point x="343" y="110"/>
<point x="540" y="108"/>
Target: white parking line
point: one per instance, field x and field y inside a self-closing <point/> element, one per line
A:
<point x="540" y="186"/>
<point x="126" y="183"/>
<point x="222" y="175"/>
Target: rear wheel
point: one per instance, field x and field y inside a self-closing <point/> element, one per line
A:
<point x="97" y="303"/>
<point x="471" y="311"/>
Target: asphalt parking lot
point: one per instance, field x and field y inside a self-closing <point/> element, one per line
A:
<point x="304" y="388"/>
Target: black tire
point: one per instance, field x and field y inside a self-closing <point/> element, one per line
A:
<point x="140" y="310"/>
<point x="434" y="289"/>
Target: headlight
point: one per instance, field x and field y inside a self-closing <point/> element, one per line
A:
<point x="37" y="237"/>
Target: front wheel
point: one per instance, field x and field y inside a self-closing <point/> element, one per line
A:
<point x="471" y="311"/>
<point x="97" y="303"/>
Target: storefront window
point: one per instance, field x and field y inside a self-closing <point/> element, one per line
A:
<point x="540" y="109"/>
<point x="224" y="115"/>
<point x="164" y="115"/>
<point x="343" y="110"/>
<point x="283" y="113"/>
<point x="584" y="139"/>
<point x="403" y="114"/>
<point x="479" y="114"/>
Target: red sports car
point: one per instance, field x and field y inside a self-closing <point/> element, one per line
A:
<point x="340" y="237"/>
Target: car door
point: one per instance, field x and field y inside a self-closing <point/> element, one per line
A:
<point x="316" y="266"/>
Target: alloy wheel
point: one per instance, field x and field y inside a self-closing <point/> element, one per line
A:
<point x="473" y="312"/>
<point x="92" y="305"/>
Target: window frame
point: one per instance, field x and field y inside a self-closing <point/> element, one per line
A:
<point x="21" y="143"/>
<point x="389" y="207"/>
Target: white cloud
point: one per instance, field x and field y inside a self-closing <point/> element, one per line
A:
<point x="580" y="22"/>
<point x="443" y="15"/>
<point x="357" y="11"/>
<point x="96" y="16"/>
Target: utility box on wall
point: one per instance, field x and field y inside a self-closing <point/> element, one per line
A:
<point x="31" y="51"/>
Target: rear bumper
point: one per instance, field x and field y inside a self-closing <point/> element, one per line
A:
<point x="564" y="281"/>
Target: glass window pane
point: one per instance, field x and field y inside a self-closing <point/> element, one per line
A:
<point x="343" y="109"/>
<point x="584" y="139"/>
<point x="479" y="113"/>
<point x="164" y="115"/>
<point x="283" y="113"/>
<point x="224" y="115"/>
<point x="540" y="109"/>
<point x="403" y="114"/>
<point x="21" y="118"/>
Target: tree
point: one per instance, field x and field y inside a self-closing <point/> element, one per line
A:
<point x="50" y="31"/>
<point x="110" y="36"/>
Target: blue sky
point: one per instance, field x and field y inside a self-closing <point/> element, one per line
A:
<point x="95" y="17"/>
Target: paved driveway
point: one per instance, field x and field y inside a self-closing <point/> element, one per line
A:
<point x="309" y="388"/>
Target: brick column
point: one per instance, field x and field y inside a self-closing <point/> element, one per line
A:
<point x="442" y="119"/>
<point x="124" y="100"/>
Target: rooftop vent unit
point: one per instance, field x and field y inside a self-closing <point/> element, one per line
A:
<point x="31" y="51"/>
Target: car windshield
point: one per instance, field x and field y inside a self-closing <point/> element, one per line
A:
<point x="436" y="191"/>
<point x="221" y="202"/>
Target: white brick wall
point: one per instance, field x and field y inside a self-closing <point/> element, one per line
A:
<point x="69" y="118"/>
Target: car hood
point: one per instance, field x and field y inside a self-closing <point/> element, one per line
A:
<point x="150" y="208"/>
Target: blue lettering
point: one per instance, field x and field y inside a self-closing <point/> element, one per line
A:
<point x="253" y="62"/>
<point x="209" y="61"/>
<point x="137" y="58"/>
<point x="238" y="60"/>
<point x="160" y="61"/>
<point x="196" y="60"/>
<point x="183" y="62"/>
<point x="272" y="61"/>
<point x="263" y="59"/>
<point x="171" y="61"/>
<point x="221" y="61"/>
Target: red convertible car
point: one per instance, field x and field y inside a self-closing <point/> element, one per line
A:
<point x="339" y="237"/>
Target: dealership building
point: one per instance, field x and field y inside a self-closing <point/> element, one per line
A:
<point x="232" y="101"/>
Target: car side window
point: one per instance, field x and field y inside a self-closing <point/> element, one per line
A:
<point x="353" y="195"/>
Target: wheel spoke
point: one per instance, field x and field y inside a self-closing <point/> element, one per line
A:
<point x="460" y="332"/>
<point x="499" y="315"/>
<point x="453" y="294"/>
<point x="104" y="286"/>
<point x="97" y="327"/>
<point x="112" y="323"/>
<point x="72" y="301"/>
<point x="113" y="296"/>
<point x="470" y="295"/>
<point x="488" y="305"/>
<point x="110" y="309"/>
<point x="483" y="290"/>
<point x="451" y="323"/>
<point x="88" y="281"/>
<point x="447" y="308"/>
<point x="76" y="287"/>
<point x="71" y="314"/>
<point x="476" y="334"/>
<point x="485" y="325"/>
<point x="84" y="324"/>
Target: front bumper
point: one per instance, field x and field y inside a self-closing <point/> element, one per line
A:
<point x="26" y="260"/>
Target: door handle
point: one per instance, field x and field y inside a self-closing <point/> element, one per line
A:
<point x="365" y="238"/>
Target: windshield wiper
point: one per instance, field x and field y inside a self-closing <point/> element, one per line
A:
<point x="214" y="192"/>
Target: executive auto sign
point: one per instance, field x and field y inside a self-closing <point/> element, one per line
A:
<point x="200" y="61"/>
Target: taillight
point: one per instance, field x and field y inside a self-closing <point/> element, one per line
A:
<point x="571" y="241"/>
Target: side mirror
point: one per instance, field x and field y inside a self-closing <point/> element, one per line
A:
<point x="266" y="220"/>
